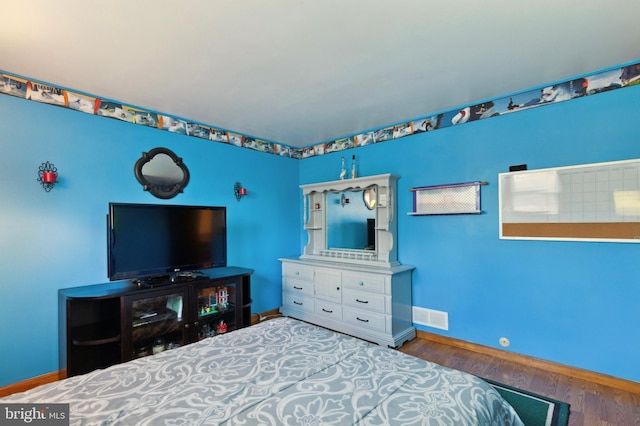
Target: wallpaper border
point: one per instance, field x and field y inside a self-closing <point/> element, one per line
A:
<point x="37" y="91"/>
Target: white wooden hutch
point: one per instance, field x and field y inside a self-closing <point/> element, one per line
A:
<point x="363" y="292"/>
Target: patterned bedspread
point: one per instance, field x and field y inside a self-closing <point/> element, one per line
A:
<point x="279" y="372"/>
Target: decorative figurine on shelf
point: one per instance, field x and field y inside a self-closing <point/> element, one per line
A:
<point x="158" y="345"/>
<point x="213" y="299"/>
<point x="208" y="302"/>
<point x="223" y="297"/>
<point x="205" y="331"/>
<point x="343" y="170"/>
<point x="353" y="167"/>
<point x="222" y="327"/>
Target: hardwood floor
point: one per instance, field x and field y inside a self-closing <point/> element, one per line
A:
<point x="592" y="404"/>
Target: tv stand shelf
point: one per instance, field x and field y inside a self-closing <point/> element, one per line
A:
<point x="106" y="324"/>
<point x="94" y="334"/>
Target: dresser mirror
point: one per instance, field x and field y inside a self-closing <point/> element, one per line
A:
<point x="352" y="220"/>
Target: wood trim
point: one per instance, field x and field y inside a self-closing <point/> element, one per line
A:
<point x="31" y="383"/>
<point x="596" y="230"/>
<point x="255" y="318"/>
<point x="575" y="372"/>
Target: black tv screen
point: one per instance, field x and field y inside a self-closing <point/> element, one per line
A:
<point x="147" y="240"/>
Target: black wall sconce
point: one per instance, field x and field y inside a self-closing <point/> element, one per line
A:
<point x="47" y="175"/>
<point x="239" y="191"/>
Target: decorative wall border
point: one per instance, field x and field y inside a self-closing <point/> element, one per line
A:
<point x="37" y="91"/>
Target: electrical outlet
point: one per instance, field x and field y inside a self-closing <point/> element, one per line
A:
<point x="504" y="342"/>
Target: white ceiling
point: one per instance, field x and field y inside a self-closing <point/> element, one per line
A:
<point x="300" y="72"/>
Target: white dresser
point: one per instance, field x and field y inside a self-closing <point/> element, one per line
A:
<point x="371" y="303"/>
<point x="348" y="277"/>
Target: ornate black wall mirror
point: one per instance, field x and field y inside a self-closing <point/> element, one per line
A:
<point x="162" y="173"/>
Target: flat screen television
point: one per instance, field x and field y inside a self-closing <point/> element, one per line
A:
<point x="151" y="240"/>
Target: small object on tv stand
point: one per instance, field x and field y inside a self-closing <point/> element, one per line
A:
<point x="158" y="345"/>
<point x="153" y="282"/>
<point x="165" y="280"/>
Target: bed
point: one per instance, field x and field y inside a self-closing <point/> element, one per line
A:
<point x="278" y="372"/>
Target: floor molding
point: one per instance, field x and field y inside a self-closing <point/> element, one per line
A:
<point x="25" y="385"/>
<point x="575" y="372"/>
<point x="273" y="313"/>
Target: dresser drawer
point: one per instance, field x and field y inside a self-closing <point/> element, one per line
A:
<point x="328" y="310"/>
<point x="373" y="302"/>
<point x="369" y="320"/>
<point x="299" y="302"/>
<point x="327" y="285"/>
<point x="364" y="282"/>
<point x="297" y="286"/>
<point x="297" y="271"/>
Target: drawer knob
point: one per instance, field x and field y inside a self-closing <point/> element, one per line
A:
<point x="297" y="272"/>
<point x="361" y="283"/>
<point x="327" y="311"/>
<point x="363" y="320"/>
<point x="362" y="301"/>
<point x="297" y="288"/>
<point x="297" y="303"/>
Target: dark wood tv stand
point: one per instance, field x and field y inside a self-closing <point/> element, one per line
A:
<point x="106" y="324"/>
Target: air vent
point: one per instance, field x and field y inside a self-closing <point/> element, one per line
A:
<point x="430" y="318"/>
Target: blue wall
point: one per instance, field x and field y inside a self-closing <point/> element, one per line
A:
<point x="574" y="303"/>
<point x="568" y="302"/>
<point x="58" y="239"/>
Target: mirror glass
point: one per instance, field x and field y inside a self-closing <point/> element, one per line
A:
<point x="350" y="223"/>
<point x="370" y="197"/>
<point x="162" y="173"/>
<point x="161" y="170"/>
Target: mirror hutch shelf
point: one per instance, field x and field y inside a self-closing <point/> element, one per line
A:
<point x="348" y="277"/>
